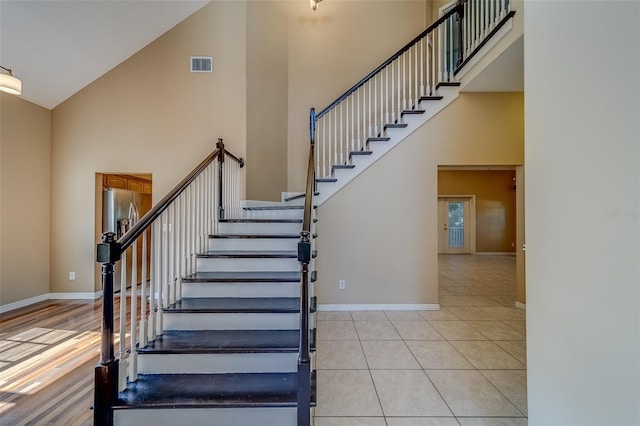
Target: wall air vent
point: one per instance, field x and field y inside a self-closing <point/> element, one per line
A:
<point x="201" y="64"/>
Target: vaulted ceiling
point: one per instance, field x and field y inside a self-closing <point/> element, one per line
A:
<point x="57" y="47"/>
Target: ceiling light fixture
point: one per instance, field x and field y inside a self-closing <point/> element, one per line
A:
<point x="314" y="3"/>
<point x="8" y="83"/>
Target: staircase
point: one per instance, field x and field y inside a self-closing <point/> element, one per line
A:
<point x="228" y="353"/>
<point x="227" y="336"/>
<point x="224" y="332"/>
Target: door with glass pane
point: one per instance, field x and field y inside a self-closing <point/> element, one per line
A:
<point x="453" y="226"/>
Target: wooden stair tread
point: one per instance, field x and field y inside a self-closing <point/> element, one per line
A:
<point x="395" y="125"/>
<point x="413" y="111"/>
<point x="260" y="220"/>
<point x="212" y="391"/>
<point x="223" y="341"/>
<point x="250" y="236"/>
<point x="431" y="98"/>
<point x="250" y="254"/>
<point x="352" y="153"/>
<point x="236" y="305"/>
<point x="320" y="180"/>
<point x="248" y="276"/>
<point x="282" y="207"/>
<point x="379" y="139"/>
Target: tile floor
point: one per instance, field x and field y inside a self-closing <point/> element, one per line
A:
<point x="462" y="365"/>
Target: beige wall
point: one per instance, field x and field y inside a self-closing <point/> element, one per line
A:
<point x="379" y="233"/>
<point x="148" y="115"/>
<point x="331" y="50"/>
<point x="495" y="204"/>
<point x="583" y="212"/>
<point x="267" y="96"/>
<point x="25" y="181"/>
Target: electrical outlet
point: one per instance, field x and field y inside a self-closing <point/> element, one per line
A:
<point x="342" y="284"/>
<point x="72" y="276"/>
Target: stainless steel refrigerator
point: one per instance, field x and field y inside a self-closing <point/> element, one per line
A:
<point x="121" y="209"/>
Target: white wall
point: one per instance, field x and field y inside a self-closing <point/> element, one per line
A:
<point x="582" y="160"/>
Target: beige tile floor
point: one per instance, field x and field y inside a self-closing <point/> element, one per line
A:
<point x="462" y="365"/>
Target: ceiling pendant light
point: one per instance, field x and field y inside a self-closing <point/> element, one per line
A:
<point x="314" y="3"/>
<point x="8" y="83"/>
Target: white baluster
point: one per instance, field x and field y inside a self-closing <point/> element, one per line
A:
<point x="451" y="53"/>
<point x="341" y="131"/>
<point x="155" y="280"/>
<point x="133" y="360"/>
<point x="335" y="138"/>
<point x="178" y="246"/>
<point x="422" y="63"/>
<point x="122" y="367"/>
<point x="359" y="144"/>
<point x="143" y="293"/>
<point x="325" y="148"/>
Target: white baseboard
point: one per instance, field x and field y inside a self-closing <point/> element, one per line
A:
<point x="58" y="296"/>
<point x="76" y="296"/>
<point x="380" y="307"/>
<point x="521" y="306"/>
<point x="22" y="303"/>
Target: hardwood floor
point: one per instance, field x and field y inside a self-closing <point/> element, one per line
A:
<point x="48" y="352"/>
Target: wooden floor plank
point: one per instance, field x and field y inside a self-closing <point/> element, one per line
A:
<point x="48" y="353"/>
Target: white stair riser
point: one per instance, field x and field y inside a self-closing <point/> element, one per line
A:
<point x="253" y="244"/>
<point x="231" y="321"/>
<point x="246" y="228"/>
<point x="218" y="363"/>
<point x="267" y="416"/>
<point x="241" y="289"/>
<point x="252" y="264"/>
<point x="272" y="214"/>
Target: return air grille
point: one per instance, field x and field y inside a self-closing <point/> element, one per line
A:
<point x="201" y="64"/>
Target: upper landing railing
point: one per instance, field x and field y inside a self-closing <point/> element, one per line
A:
<point x="379" y="101"/>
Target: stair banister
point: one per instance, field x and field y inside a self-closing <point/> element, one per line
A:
<point x="378" y="102"/>
<point x="179" y="212"/>
<point x="304" y="257"/>
<point x="386" y="63"/>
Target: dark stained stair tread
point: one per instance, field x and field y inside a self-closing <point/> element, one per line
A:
<point x="223" y="341"/>
<point x="343" y="166"/>
<point x="236" y="305"/>
<point x="241" y="254"/>
<point x="352" y="153"/>
<point x="380" y="139"/>
<point x="448" y="84"/>
<point x="326" y="180"/>
<point x="273" y="208"/>
<point x="412" y="111"/>
<point x="251" y="236"/>
<point x="248" y="276"/>
<point x="212" y="390"/>
<point x="431" y="98"/>
<point x="260" y="220"/>
<point x="395" y="125"/>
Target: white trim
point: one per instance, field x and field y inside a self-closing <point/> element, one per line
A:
<point x="22" y="303"/>
<point x="380" y="307"/>
<point x="48" y="296"/>
<point x="521" y="306"/>
<point x="76" y="296"/>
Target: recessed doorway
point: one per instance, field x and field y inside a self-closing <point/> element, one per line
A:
<point x="454" y="225"/>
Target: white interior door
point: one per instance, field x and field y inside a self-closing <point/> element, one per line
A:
<point x="453" y="226"/>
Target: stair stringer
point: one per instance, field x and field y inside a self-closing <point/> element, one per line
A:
<point x="379" y="149"/>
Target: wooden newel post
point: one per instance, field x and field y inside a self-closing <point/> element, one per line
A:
<point x="106" y="372"/>
<point x="460" y="19"/>
<point x="220" y="146"/>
